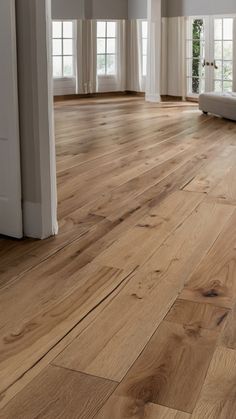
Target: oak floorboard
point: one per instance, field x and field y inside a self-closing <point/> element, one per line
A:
<point x="218" y="396"/>
<point x="212" y="173"/>
<point x="59" y="393"/>
<point x="171" y="370"/>
<point x="228" y="336"/>
<point x="204" y="316"/>
<point x="147" y="298"/>
<point x="140" y="242"/>
<point x="214" y="281"/>
<point x="117" y="406"/>
<point x="118" y="160"/>
<point x="56" y="310"/>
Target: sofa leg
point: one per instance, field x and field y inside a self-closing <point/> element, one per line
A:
<point x="205" y="113"/>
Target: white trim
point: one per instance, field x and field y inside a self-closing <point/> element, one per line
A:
<point x="32" y="220"/>
<point x="47" y="149"/>
<point x="153" y="98"/>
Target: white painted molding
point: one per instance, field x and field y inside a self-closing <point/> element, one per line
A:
<point x="153" y="98"/>
<point x="46" y="119"/>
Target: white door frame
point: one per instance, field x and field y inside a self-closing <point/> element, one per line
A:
<point x="10" y="174"/>
<point x="36" y="118"/>
<point x="209" y="51"/>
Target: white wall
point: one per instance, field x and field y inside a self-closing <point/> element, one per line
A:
<point x="109" y="9"/>
<point x="90" y="9"/>
<point x="68" y="9"/>
<point x="137" y="9"/>
<point x="199" y="7"/>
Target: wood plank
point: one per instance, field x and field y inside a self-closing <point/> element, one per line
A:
<point x="212" y="173"/>
<point x="119" y="407"/>
<point x="228" y="336"/>
<point x="172" y="368"/>
<point x="217" y="400"/>
<point x="59" y="393"/>
<point x="56" y="310"/>
<point x="51" y="292"/>
<point x="226" y="189"/>
<point x="214" y="281"/>
<point x="205" y="316"/>
<point x="117" y="341"/>
<point x="140" y="242"/>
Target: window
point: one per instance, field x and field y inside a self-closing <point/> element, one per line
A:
<point x="106" y="48"/>
<point x="63" y="49"/>
<point x="144" y="47"/>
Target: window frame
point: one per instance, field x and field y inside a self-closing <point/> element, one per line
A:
<point x="106" y="54"/>
<point x="62" y="55"/>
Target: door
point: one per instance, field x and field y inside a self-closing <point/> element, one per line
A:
<point x="221" y="57"/>
<point x="197" y="49"/>
<point x="10" y="179"/>
<point x="209" y="55"/>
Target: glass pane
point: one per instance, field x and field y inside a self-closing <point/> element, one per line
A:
<point x="111" y="29"/>
<point x="144" y="46"/>
<point x="101" y="64"/>
<point x="67" y="30"/>
<point x="198" y="29"/>
<point x="227" y="86"/>
<point x="218" y="86"/>
<point x="57" y="67"/>
<point x="57" y="47"/>
<point x="144" y="29"/>
<point x="228" y="29"/>
<point x="218" y="70"/>
<point x="101" y="29"/>
<point x="68" y="66"/>
<point x="57" y="30"/>
<point x="197" y="69"/>
<point x="111" y="64"/>
<point x="218" y="50"/>
<point x="67" y="47"/>
<point x="144" y="65"/>
<point x="111" y="46"/>
<point x="228" y="50"/>
<point x="227" y="70"/>
<point x="198" y="49"/>
<point x="218" y="29"/>
<point x="195" y="85"/>
<point x="101" y="46"/>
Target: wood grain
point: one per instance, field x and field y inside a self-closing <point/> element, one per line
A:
<point x="59" y="393"/>
<point x="214" y="281"/>
<point x="118" y="406"/>
<point x="120" y="161"/>
<point x="205" y="316"/>
<point x="117" y="341"/>
<point x="218" y="396"/>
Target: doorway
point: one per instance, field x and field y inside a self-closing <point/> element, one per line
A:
<point x="209" y="54"/>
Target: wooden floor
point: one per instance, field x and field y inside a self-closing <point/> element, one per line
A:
<point x="130" y="312"/>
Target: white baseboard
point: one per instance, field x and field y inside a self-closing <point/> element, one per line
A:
<point x="33" y="223"/>
<point x="153" y="98"/>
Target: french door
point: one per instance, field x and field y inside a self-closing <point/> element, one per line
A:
<point x="210" y="55"/>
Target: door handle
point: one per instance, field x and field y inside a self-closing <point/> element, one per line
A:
<point x="216" y="66"/>
<point x="204" y="63"/>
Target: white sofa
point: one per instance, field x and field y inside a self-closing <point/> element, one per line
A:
<point x="222" y="104"/>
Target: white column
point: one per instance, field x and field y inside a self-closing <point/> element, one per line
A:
<point x="36" y="118"/>
<point x="153" y="81"/>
